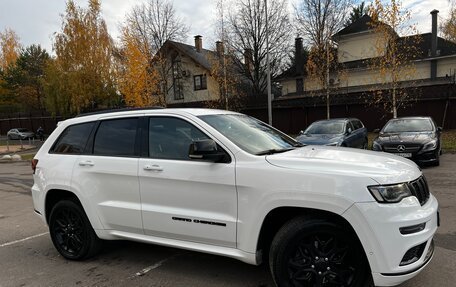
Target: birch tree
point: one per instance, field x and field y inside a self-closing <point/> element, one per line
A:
<point x="395" y="62"/>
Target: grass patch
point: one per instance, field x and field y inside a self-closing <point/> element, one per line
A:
<point x="28" y="156"/>
<point x="449" y="141"/>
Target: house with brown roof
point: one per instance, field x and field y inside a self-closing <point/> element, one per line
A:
<point x="356" y="82"/>
<point x="357" y="46"/>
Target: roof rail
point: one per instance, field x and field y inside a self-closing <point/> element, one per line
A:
<point x="118" y="110"/>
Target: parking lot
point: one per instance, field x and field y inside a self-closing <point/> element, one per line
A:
<point x="27" y="257"/>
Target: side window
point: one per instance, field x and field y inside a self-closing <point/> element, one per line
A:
<point x="73" y="139"/>
<point x="116" y="137"/>
<point x="357" y="124"/>
<point x="349" y="126"/>
<point x="170" y="138"/>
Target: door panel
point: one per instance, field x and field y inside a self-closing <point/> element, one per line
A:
<point x="108" y="174"/>
<point x="182" y="198"/>
<point x="111" y="186"/>
<point x="189" y="200"/>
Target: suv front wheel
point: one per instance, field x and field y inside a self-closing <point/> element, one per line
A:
<point x="71" y="232"/>
<point x="315" y="252"/>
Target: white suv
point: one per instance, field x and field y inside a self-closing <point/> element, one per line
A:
<point x="225" y="183"/>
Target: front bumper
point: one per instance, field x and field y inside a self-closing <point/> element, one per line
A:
<point x="378" y="228"/>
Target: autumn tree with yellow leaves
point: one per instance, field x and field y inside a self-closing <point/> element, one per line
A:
<point x="82" y="75"/>
<point x="144" y="70"/>
<point x="9" y="52"/>
<point x="396" y="55"/>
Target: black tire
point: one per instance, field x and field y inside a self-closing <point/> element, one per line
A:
<point x="71" y="231"/>
<point x="313" y="252"/>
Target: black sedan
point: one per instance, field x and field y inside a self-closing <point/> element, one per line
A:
<point x="416" y="138"/>
<point x="347" y="132"/>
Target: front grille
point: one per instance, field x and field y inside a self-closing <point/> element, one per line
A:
<point x="413" y="255"/>
<point x="408" y="147"/>
<point x="420" y="189"/>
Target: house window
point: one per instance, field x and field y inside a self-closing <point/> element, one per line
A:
<point x="200" y="82"/>
<point x="177" y="81"/>
<point x="299" y="86"/>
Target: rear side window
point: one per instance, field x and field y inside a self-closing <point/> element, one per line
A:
<point x="357" y="124"/>
<point x="116" y="137"/>
<point x="73" y="139"/>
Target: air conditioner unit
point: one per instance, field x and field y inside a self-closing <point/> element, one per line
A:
<point x="185" y="73"/>
<point x="333" y="82"/>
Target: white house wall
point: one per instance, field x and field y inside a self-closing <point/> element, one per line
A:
<point x="358" y="47"/>
<point x="190" y="95"/>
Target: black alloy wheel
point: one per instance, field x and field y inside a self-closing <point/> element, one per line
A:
<point x="71" y="231"/>
<point x="314" y="253"/>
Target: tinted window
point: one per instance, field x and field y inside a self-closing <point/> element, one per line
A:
<point x="116" y="137"/>
<point x="73" y="139"/>
<point x="357" y="124"/>
<point x="170" y="138"/>
<point x="23" y="130"/>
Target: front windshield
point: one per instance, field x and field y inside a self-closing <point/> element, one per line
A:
<point x="327" y="127"/>
<point x="22" y="130"/>
<point x="250" y="134"/>
<point x="408" y="125"/>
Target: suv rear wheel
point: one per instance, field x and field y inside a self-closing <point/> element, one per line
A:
<point x="71" y="232"/>
<point x="314" y="252"/>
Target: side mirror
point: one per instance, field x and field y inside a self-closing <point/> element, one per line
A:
<point x="301" y="132"/>
<point x="439" y="129"/>
<point x="376" y="131"/>
<point x="206" y="150"/>
<point x="349" y="131"/>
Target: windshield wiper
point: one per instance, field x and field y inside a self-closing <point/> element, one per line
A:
<point x="273" y="151"/>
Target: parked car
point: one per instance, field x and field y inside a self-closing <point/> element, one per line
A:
<point x="335" y="132"/>
<point x="224" y="183"/>
<point x="416" y="138"/>
<point x="20" y="133"/>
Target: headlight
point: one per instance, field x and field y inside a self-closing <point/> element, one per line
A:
<point x="390" y="193"/>
<point x="430" y="145"/>
<point x="376" y="146"/>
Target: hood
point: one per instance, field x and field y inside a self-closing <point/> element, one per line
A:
<point x="407" y="137"/>
<point x="319" y="139"/>
<point x="382" y="167"/>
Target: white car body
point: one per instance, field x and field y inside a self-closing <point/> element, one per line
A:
<point x="140" y="198"/>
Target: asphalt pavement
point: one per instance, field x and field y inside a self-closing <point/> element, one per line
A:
<point x="27" y="257"/>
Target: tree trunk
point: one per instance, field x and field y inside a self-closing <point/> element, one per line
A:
<point x="394" y="103"/>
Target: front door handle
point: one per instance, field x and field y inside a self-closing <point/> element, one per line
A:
<point x="86" y="163"/>
<point x="153" y="167"/>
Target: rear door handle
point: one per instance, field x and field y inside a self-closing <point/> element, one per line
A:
<point x="153" y="167"/>
<point x="86" y="163"/>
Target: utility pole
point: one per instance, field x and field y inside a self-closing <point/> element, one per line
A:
<point x="268" y="68"/>
<point x="328" y="115"/>
<point x="225" y="85"/>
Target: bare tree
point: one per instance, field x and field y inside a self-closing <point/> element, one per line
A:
<point x="317" y="21"/>
<point x="246" y="35"/>
<point x="152" y="24"/>
<point x="449" y="24"/>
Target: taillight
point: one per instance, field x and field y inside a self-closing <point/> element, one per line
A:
<point x="34" y="164"/>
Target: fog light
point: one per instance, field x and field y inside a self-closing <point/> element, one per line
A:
<point x="413" y="255"/>
<point x="412" y="229"/>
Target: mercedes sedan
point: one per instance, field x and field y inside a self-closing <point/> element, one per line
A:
<point x="416" y="138"/>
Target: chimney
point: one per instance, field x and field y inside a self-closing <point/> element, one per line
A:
<point x="220" y="48"/>
<point x="248" y="58"/>
<point x="434" y="43"/>
<point x="299" y="61"/>
<point x="199" y="43"/>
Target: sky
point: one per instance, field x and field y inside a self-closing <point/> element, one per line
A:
<point x="36" y="21"/>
